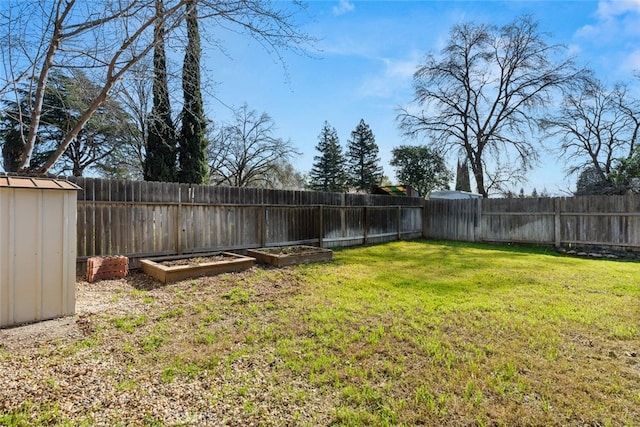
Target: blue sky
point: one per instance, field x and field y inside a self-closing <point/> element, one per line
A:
<point x="362" y="66"/>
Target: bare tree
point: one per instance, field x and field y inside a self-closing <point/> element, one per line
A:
<point x="134" y="93"/>
<point x="284" y="176"/>
<point x="481" y="94"/>
<point x="246" y="153"/>
<point x="596" y="127"/>
<point x="271" y="25"/>
<point x="66" y="97"/>
<point x="109" y="40"/>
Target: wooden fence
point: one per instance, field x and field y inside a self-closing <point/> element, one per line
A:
<point x="144" y="219"/>
<point x="582" y="221"/>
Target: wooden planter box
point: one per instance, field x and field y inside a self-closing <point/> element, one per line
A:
<point x="290" y="255"/>
<point x="195" y="266"/>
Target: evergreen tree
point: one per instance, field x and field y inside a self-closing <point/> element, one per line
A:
<point x="12" y="147"/>
<point x="66" y="97"/>
<point x="14" y="125"/>
<point x="192" y="145"/>
<point x="463" y="181"/>
<point x="160" y="161"/>
<point x="362" y="158"/>
<point x="590" y="182"/>
<point x="327" y="173"/>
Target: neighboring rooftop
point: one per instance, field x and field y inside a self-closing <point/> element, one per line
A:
<point x="396" y="190"/>
<point x="453" y="195"/>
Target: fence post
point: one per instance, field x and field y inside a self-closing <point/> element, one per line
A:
<point x="365" y="224"/>
<point x="557" y="225"/>
<point x="179" y="223"/>
<point x="424" y="219"/>
<point x="477" y="235"/>
<point x="263" y="226"/>
<point x="399" y="222"/>
<point x="320" y="226"/>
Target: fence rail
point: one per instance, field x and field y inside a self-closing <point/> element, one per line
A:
<point x="588" y="221"/>
<point x="142" y="219"/>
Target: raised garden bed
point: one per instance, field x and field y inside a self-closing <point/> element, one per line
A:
<point x="172" y="269"/>
<point x="290" y="255"/>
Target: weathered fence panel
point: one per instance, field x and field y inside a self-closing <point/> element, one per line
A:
<point x="343" y="226"/>
<point x="142" y="219"/>
<point x="582" y="221"/>
<point x="518" y="220"/>
<point x="410" y="219"/>
<point x="288" y="225"/>
<point x="601" y="220"/>
<point x="452" y="219"/>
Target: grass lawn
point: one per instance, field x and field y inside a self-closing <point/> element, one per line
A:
<point x="405" y="333"/>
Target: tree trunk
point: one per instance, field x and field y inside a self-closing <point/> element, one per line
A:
<point x="36" y="113"/>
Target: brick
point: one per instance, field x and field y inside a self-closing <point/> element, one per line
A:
<point x="107" y="267"/>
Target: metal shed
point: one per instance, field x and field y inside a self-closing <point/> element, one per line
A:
<point x="37" y="249"/>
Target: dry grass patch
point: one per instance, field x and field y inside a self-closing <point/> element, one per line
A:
<point x="399" y="334"/>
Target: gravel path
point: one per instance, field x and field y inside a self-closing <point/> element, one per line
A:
<point x="51" y="373"/>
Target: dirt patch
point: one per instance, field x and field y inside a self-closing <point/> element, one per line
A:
<point x="197" y="260"/>
<point x="291" y="250"/>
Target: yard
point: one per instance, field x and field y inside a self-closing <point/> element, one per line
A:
<point x="421" y="332"/>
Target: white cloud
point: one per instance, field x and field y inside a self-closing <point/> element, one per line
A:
<point x="396" y="76"/>
<point x="613" y="18"/>
<point x="574" y="49"/>
<point x="632" y="62"/>
<point x="401" y="69"/>
<point x="611" y="40"/>
<point x="609" y="9"/>
<point x="346" y="45"/>
<point x="344" y="6"/>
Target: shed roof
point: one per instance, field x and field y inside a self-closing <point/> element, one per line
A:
<point x="395" y="190"/>
<point x="15" y="181"/>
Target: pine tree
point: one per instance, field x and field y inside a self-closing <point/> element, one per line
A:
<point x="192" y="145"/>
<point x="14" y="124"/>
<point x="327" y="173"/>
<point x="362" y="158"/>
<point x="463" y="182"/>
<point x="160" y="161"/>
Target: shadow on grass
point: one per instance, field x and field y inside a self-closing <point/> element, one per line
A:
<point x="623" y="255"/>
<point x="512" y="248"/>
